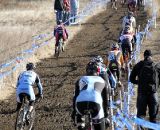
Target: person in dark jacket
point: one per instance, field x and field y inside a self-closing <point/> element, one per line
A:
<point x="147" y="89"/>
<point x="59" y="8"/>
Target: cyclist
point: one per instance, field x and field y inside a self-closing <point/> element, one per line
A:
<point x="105" y="73"/>
<point x="115" y="60"/>
<point x="25" y="83"/>
<point x="126" y="42"/>
<point x="60" y="32"/>
<point x="91" y="95"/>
<point x="132" y="5"/>
<point x="129" y="20"/>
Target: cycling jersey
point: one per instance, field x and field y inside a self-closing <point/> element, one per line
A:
<point x="25" y="84"/>
<point x="90" y="89"/>
<point x="105" y="74"/>
<point x="129" y="20"/>
<point x="115" y="54"/>
<point x="60" y="30"/>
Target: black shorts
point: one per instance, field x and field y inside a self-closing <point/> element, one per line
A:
<point x="93" y="107"/>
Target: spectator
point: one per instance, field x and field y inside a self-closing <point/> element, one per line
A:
<point x="59" y="8"/>
<point x="147" y="75"/>
<point x="66" y="12"/>
<point x="74" y="10"/>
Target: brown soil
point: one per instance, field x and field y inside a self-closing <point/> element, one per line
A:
<point x="58" y="76"/>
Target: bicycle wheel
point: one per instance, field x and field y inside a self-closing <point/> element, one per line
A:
<point x="20" y="123"/>
<point x="31" y="120"/>
<point x="59" y="48"/>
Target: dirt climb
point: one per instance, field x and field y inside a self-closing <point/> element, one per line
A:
<point x="58" y="76"/>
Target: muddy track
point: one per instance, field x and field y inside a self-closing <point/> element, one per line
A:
<point x="58" y="76"/>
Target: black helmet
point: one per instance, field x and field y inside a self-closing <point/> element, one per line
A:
<point x="92" y="68"/>
<point x="30" y="66"/>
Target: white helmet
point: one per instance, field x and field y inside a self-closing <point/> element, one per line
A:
<point x="97" y="59"/>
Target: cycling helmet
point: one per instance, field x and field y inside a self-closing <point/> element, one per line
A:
<point x="92" y="68"/>
<point x="126" y="29"/>
<point x="30" y="66"/>
<point x="130" y="14"/>
<point x="98" y="59"/>
<point x="115" y="46"/>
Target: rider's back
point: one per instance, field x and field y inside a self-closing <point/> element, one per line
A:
<point x="90" y="89"/>
<point x="129" y="20"/>
<point x="115" y="55"/>
<point x="27" y="78"/>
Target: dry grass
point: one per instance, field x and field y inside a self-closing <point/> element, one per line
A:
<point x="18" y="25"/>
<point x="19" y="21"/>
<point x="156" y="7"/>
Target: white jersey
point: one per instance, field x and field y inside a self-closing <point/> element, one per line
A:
<point x="27" y="78"/>
<point x="132" y="20"/>
<point x="90" y="89"/>
<point x="126" y="36"/>
<point x="24" y="84"/>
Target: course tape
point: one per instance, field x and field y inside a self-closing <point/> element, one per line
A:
<point x="88" y="10"/>
<point x="136" y="56"/>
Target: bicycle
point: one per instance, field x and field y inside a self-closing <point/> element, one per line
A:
<point x="87" y="124"/>
<point x="21" y="122"/>
<point x="60" y="47"/>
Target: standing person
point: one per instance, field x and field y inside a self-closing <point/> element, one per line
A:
<point x="114" y="4"/>
<point x="91" y="94"/>
<point x="74" y="10"/>
<point x="146" y="74"/>
<point x="25" y="83"/>
<point x="67" y="10"/>
<point x="59" y="8"/>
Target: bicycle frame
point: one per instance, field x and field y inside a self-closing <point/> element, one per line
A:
<point x="88" y="118"/>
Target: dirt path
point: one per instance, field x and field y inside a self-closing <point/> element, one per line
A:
<point x="58" y="76"/>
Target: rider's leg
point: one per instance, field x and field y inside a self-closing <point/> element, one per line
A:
<point x="123" y="51"/>
<point x="56" y="45"/>
<point x="19" y="101"/>
<point x="118" y="74"/>
<point x="129" y="46"/>
<point x="18" y="106"/>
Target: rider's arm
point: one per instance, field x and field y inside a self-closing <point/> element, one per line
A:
<point x="54" y="31"/>
<point x="112" y="79"/>
<point x="105" y="99"/>
<point x="17" y="81"/>
<point x="66" y="32"/>
<point x="76" y="93"/>
<point x="39" y="85"/>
